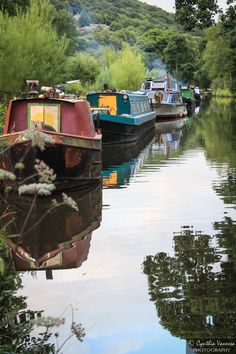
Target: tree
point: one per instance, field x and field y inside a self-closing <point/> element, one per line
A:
<point x="218" y="58"/>
<point x="229" y="33"/>
<point x="30" y="48"/>
<point x="193" y="14"/>
<point x="82" y="66"/>
<point x="128" y="71"/>
<point x="84" y="18"/>
<point x="179" y="57"/>
<point x="11" y="6"/>
<point x="63" y="21"/>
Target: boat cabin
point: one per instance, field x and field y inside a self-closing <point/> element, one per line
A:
<point x="72" y="117"/>
<point x="119" y="104"/>
<point x="160" y="85"/>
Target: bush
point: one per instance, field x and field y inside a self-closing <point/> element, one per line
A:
<point x="3" y="110"/>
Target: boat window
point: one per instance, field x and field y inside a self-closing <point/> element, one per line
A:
<point x="176" y="97"/>
<point x="172" y="85"/>
<point x="134" y="106"/>
<point x="147" y="86"/>
<point x="146" y="105"/>
<point x="40" y="114"/>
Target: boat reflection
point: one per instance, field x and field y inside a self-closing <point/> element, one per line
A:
<point x="121" y="162"/>
<point x="59" y="239"/>
<point x="168" y="136"/>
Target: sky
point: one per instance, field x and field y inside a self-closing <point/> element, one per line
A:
<point x="168" y="5"/>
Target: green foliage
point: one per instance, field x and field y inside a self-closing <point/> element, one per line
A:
<point x="3" y="111"/>
<point x="82" y="66"/>
<point x="30" y="48"/>
<point x="73" y="88"/>
<point x="218" y="58"/>
<point x="179" y="57"/>
<point x="155" y="41"/>
<point x="193" y="14"/>
<point x="84" y="18"/>
<point x="228" y="32"/>
<point x="11" y="6"/>
<point x="128" y="71"/>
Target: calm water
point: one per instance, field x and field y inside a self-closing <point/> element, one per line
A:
<point x="160" y="269"/>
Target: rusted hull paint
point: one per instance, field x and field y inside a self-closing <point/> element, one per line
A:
<point x="76" y="161"/>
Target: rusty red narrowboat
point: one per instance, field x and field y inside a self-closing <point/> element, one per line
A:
<point x="72" y="148"/>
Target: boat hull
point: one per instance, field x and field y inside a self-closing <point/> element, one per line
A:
<point x="190" y="105"/>
<point x="169" y="110"/>
<point x="119" y="132"/>
<point x="76" y="161"/>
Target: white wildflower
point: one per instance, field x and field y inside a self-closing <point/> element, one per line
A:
<point x="49" y="321"/>
<point x="45" y="173"/>
<point x="19" y="166"/>
<point x="54" y="203"/>
<point x="38" y="138"/>
<point x="37" y="188"/>
<point x="69" y="201"/>
<point x="6" y="175"/>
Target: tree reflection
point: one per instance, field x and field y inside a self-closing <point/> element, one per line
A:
<point x="194" y="291"/>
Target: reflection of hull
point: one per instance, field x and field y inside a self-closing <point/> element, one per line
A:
<point x="168" y="135"/>
<point x="124" y="152"/>
<point x="170" y="110"/>
<point x="117" y="172"/>
<point x="62" y="238"/>
<point x="168" y="126"/>
<point x="75" y="160"/>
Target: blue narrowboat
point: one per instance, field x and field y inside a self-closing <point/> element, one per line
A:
<point x="121" y="117"/>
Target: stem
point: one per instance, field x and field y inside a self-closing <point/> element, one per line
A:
<point x="65" y="341"/>
<point x="28" y="215"/>
<point x="27" y="178"/>
<point x="41" y="219"/>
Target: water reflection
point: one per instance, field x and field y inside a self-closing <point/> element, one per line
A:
<point x="195" y="290"/>
<point x="122" y="162"/>
<point x="168" y="135"/>
<point x="52" y="240"/>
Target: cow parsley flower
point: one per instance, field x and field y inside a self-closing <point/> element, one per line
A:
<point x="42" y="189"/>
<point x="45" y="173"/>
<point x="7" y="175"/>
<point x="69" y="201"/>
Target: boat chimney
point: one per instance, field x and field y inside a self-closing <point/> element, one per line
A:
<point x="32" y="87"/>
<point x="105" y="87"/>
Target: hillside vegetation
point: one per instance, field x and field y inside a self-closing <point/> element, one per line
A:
<point x="89" y="40"/>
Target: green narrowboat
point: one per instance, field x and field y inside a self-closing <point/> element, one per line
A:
<point x="121" y="117"/>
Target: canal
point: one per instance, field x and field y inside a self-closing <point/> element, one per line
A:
<point x="154" y="265"/>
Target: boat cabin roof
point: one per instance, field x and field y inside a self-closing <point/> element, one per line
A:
<point x="160" y="85"/>
<point x="66" y="116"/>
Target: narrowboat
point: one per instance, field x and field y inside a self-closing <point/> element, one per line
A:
<point x="122" y="117"/>
<point x="71" y="147"/>
<point x="59" y="239"/>
<point x="166" y="98"/>
<point x="188" y="98"/>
